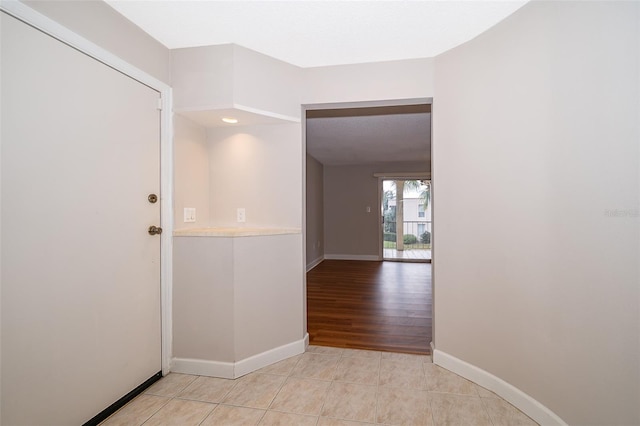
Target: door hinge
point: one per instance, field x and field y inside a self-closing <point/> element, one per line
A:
<point x="160" y="104"/>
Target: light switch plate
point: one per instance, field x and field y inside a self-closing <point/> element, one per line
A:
<point x="242" y="215"/>
<point x="189" y="214"/>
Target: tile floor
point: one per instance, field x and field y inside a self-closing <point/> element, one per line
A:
<point x="323" y="387"/>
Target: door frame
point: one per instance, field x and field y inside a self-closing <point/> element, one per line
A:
<point x="359" y="104"/>
<point x="48" y="26"/>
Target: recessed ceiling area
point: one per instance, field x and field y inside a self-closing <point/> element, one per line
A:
<point x="372" y="135"/>
<point x="320" y="33"/>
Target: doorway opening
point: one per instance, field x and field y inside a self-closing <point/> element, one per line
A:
<point x="406" y="219"/>
<point x="354" y="298"/>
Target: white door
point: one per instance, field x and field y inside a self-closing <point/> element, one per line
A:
<point x="80" y="273"/>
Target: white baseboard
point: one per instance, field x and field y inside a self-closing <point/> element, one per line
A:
<point x="233" y="370"/>
<point x="525" y="403"/>
<point x="351" y="257"/>
<point x="201" y="367"/>
<point x="314" y="263"/>
<point x="269" y="357"/>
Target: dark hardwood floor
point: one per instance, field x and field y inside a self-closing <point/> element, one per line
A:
<point x="385" y="306"/>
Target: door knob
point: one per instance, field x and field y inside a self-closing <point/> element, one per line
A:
<point x="155" y="230"/>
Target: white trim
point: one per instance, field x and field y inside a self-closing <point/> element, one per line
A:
<point x="166" y="214"/>
<point x="380" y="219"/>
<point x="368" y="104"/>
<point x="314" y="263"/>
<point x="201" y="367"/>
<point x="524" y="402"/>
<point x="403" y="175"/>
<point x="43" y="23"/>
<point x="352" y="257"/>
<point x="231" y="370"/>
<point x="269" y="357"/>
<point x="267" y="113"/>
<point x="239" y="107"/>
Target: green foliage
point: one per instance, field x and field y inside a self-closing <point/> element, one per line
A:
<point x="425" y="237"/>
<point x="410" y="239"/>
<point x="390" y="236"/>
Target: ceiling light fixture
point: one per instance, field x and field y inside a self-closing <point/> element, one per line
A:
<point x="230" y="120"/>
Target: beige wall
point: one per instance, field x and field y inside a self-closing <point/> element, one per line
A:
<point x="235" y="298"/>
<point x="268" y="275"/>
<point x="265" y="83"/>
<point x="411" y="78"/>
<point x="202" y="77"/>
<point x="535" y="152"/>
<point x="348" y="190"/>
<point x="258" y="168"/>
<point x="101" y="24"/>
<point x="203" y="299"/>
<point x="315" y="211"/>
<point x="191" y="171"/>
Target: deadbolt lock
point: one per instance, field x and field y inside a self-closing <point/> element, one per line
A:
<point x="152" y="198"/>
<point x="155" y="230"/>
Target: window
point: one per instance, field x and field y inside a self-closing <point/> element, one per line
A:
<point x="421" y="210"/>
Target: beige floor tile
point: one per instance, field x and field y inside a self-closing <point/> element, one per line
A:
<point x="358" y="370"/>
<point x="485" y="393"/>
<point x="316" y="366"/>
<point x="504" y="414"/>
<point x="403" y="407"/>
<point x="233" y="416"/>
<point x="327" y="421"/>
<point x="405" y="357"/>
<point x="301" y="396"/>
<point x="207" y="389"/>
<point x="402" y="374"/>
<point x="360" y="353"/>
<point x="326" y="350"/>
<point x="137" y="411"/>
<point x="255" y="390"/>
<point x="181" y="412"/>
<point x="171" y="384"/>
<point x="275" y="418"/>
<point x="350" y="401"/>
<point x="456" y="410"/>
<point x="440" y="380"/>
<point x="282" y="368"/>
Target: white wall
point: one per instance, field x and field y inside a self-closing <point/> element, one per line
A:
<point x="191" y="170"/>
<point x="258" y="168"/>
<point x="535" y="153"/>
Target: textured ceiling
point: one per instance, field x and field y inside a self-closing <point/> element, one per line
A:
<point x="319" y="33"/>
<point x="369" y="135"/>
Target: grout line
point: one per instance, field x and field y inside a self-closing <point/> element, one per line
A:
<point x="487" y="412"/>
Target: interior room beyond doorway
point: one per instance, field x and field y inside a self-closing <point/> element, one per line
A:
<point x="384" y="306"/>
<point x="353" y="299"/>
